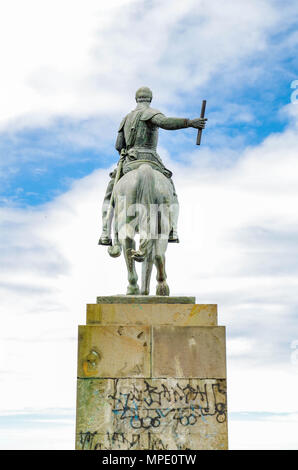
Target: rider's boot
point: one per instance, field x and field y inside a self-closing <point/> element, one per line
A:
<point x="105" y="237"/>
<point x="107" y="214"/>
<point x="173" y="236"/>
<point x="105" y="240"/>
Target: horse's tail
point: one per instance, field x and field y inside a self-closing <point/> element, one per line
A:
<point x="145" y="198"/>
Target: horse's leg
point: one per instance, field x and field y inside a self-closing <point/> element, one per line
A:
<point x="132" y="288"/>
<point x="146" y="275"/>
<point x="162" y="287"/>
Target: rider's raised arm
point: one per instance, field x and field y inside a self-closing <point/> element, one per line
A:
<point x="170" y="123"/>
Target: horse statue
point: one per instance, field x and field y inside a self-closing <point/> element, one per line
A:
<point x="143" y="203"/>
<point x="141" y="196"/>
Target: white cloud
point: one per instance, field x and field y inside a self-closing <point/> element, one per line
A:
<point x="76" y="58"/>
<point x="238" y="224"/>
<point x="233" y="222"/>
<point x="263" y="433"/>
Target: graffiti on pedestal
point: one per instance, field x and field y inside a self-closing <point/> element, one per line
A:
<point x="151" y="405"/>
<point x="155" y="414"/>
<point x="109" y="441"/>
<point x="119" y="440"/>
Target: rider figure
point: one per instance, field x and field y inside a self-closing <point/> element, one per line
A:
<point x="137" y="140"/>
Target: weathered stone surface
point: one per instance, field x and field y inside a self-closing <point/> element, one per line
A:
<point x="183" y="351"/>
<point x="151" y="414"/>
<point x="149" y="441"/>
<point x="151" y="376"/>
<point x="114" y="351"/>
<point x="152" y="314"/>
<point x="144" y="299"/>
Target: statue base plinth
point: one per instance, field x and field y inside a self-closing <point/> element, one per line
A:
<point x="144" y="299"/>
<point x="151" y="376"/>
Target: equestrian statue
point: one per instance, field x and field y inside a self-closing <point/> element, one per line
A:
<point x="141" y="196"/>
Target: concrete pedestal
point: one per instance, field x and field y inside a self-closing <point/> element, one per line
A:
<point x="151" y="376"/>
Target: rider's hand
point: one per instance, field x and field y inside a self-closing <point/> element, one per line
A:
<point x="197" y="123"/>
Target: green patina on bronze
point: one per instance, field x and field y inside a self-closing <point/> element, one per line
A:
<point x="143" y="181"/>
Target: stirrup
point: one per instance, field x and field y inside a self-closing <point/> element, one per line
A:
<point x="173" y="237"/>
<point x="105" y="240"/>
<point x="173" y="240"/>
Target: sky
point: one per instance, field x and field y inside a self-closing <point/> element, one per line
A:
<point x="69" y="72"/>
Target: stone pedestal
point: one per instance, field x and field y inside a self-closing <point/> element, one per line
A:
<point x="151" y="375"/>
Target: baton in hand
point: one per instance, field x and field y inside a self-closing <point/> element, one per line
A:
<point x="202" y="116"/>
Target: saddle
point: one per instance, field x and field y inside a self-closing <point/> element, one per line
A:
<point x="155" y="165"/>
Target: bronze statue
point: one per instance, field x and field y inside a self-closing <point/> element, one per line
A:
<point x="140" y="187"/>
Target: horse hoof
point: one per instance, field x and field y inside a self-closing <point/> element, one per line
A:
<point x="114" y="251"/>
<point x="138" y="255"/>
<point x="162" y="288"/>
<point x="133" y="290"/>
